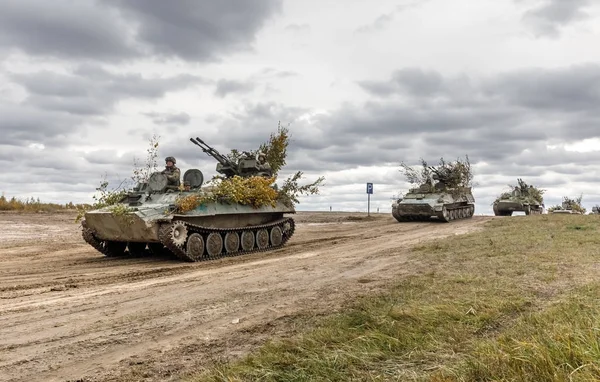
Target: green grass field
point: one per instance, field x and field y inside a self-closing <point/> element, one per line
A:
<point x="519" y="301"/>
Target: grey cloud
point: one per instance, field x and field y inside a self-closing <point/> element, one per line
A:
<point x="251" y="124"/>
<point x="22" y="125"/>
<point x="413" y="81"/>
<point x="298" y="28"/>
<point x="225" y="87"/>
<point x="128" y="29"/>
<point x="547" y="19"/>
<point x="63" y="29"/>
<point x="573" y="88"/>
<point x="91" y="90"/>
<point x="271" y="72"/>
<point x="198" y="30"/>
<point x="169" y="118"/>
<point x="380" y="23"/>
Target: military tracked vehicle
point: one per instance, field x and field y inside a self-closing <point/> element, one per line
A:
<point x="435" y="201"/>
<point x="523" y="198"/>
<point x="568" y="206"/>
<point x="208" y="231"/>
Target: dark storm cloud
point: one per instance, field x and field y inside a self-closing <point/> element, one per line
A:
<point x="225" y="87"/>
<point x="197" y="30"/>
<point x="547" y="19"/>
<point x="91" y="90"/>
<point x="64" y="29"/>
<point x="169" y="118"/>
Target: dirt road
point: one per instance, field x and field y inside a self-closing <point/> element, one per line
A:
<point x="69" y="313"/>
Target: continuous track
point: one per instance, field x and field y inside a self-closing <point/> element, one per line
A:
<point x="448" y="214"/>
<point x="185" y="252"/>
<point x="205" y="241"/>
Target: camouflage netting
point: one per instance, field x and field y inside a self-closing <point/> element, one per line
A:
<point x="526" y="191"/>
<point x="570" y="204"/>
<point x="453" y="175"/>
<point x="255" y="191"/>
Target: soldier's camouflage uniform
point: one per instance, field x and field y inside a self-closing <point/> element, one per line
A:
<point x="173" y="176"/>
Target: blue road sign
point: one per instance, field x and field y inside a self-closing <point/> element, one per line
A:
<point x="369" y="188"/>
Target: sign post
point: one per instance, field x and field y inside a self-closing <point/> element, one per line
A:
<point x="369" y="192"/>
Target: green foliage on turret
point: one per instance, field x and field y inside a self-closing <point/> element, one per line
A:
<point x="570" y="204"/>
<point x="524" y="191"/>
<point x="256" y="191"/>
<point x="451" y="174"/>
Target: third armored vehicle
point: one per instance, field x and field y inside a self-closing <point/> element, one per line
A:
<point x="152" y="216"/>
<point x="442" y="200"/>
<point x="524" y="198"/>
<point x="569" y="206"/>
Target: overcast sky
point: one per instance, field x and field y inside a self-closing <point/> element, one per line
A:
<point x="364" y="85"/>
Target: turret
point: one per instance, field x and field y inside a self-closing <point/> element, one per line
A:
<point x="248" y="165"/>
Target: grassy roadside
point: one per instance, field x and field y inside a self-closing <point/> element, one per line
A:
<point x="516" y="302"/>
<point x="33" y="205"/>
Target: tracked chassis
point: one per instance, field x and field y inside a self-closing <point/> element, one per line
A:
<point x="194" y="242"/>
<point x="148" y="220"/>
<point x="446" y="215"/>
<point x="423" y="204"/>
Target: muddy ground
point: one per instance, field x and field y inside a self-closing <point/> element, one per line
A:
<point x="69" y="313"/>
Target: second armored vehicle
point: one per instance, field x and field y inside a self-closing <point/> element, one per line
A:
<point x="151" y="217"/>
<point x="423" y="204"/>
<point x="523" y="198"/>
<point x="442" y="201"/>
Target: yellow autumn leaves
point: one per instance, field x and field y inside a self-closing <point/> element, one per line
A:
<point x="255" y="191"/>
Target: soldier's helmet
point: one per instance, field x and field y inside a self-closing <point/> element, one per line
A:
<point x="167" y="159"/>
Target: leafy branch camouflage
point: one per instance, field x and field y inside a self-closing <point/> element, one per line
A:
<point x="453" y="174"/>
<point x="103" y="198"/>
<point x="570" y="204"/>
<point x="275" y="149"/>
<point x="256" y="191"/>
<point x="526" y="191"/>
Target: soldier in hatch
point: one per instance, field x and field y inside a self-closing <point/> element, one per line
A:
<point x="173" y="173"/>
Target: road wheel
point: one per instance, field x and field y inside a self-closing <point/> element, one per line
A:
<point x="214" y="244"/>
<point x="276" y="236"/>
<point x="232" y="242"/>
<point x="247" y="240"/>
<point x="262" y="238"/>
<point x="195" y="247"/>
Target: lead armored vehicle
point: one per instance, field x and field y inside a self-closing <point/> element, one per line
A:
<point x="153" y="220"/>
<point x="446" y="200"/>
<point x="523" y="198"/>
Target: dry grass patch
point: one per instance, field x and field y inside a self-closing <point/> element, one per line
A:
<point x="515" y="302"/>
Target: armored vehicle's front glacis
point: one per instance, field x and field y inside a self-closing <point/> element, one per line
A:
<point x="149" y="218"/>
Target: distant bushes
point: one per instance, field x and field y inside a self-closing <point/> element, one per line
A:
<point x="33" y="205"/>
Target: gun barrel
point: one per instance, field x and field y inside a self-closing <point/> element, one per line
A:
<point x="215" y="154"/>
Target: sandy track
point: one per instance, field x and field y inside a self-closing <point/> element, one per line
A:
<point x="68" y="313"/>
